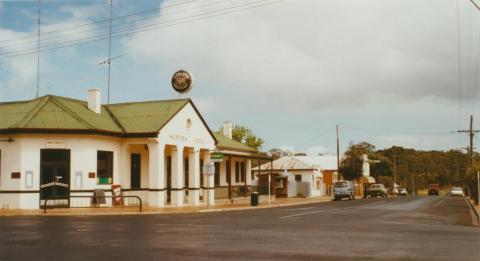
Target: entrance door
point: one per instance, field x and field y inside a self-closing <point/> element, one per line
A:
<point x="169" y="178"/>
<point x="55" y="176"/>
<point x="135" y="172"/>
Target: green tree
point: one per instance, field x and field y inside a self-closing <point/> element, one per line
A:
<point x="352" y="161"/>
<point x="245" y="136"/>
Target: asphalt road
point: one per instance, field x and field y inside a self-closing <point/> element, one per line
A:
<point x="423" y="228"/>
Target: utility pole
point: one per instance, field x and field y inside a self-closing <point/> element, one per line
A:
<point x="471" y="134"/>
<point x="38" y="49"/>
<point x="338" y="155"/>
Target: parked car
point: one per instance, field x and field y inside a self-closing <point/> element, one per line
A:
<point x="433" y="189"/>
<point x="402" y="192"/>
<point x="376" y="190"/>
<point x="343" y="189"/>
<point x="457" y="192"/>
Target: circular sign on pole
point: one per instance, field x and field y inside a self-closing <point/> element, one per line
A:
<point x="208" y="168"/>
<point x="182" y="81"/>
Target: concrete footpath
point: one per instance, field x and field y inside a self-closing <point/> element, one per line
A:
<point x="220" y="205"/>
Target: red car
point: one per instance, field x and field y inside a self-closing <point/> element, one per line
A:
<point x="433" y="189"/>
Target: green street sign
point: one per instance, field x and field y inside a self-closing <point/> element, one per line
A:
<point x="216" y="156"/>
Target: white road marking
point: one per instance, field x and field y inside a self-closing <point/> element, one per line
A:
<point x="294" y="209"/>
<point x="331" y="209"/>
<point x="440" y="202"/>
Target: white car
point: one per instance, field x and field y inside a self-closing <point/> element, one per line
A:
<point x="457" y="192"/>
<point x="402" y="192"/>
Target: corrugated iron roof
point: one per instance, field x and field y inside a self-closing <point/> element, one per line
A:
<point x="287" y="162"/>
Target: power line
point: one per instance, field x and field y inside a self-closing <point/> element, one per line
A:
<point x="74" y="33"/>
<point x="150" y="27"/>
<point x="396" y="132"/>
<point x="101" y="21"/>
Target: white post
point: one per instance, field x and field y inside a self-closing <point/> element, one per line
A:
<point x="269" y="184"/>
<point x="156" y="195"/>
<point x="177" y="194"/>
<point x="194" y="177"/>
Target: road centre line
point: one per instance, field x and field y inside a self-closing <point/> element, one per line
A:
<point x="440" y="202"/>
<point x="331" y="209"/>
<point x="293" y="209"/>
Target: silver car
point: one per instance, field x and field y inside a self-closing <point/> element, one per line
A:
<point x="343" y="189"/>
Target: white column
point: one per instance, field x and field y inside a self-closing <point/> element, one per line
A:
<point x="125" y="167"/>
<point x="177" y="195"/>
<point x="156" y="175"/>
<point x="248" y="171"/>
<point x="209" y="182"/>
<point x="194" y="177"/>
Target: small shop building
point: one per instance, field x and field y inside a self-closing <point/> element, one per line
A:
<point x="61" y="147"/>
<point x="293" y="176"/>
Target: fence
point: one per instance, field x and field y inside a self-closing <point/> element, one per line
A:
<point x="93" y="201"/>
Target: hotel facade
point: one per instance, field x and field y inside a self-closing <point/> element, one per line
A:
<point x="57" y="146"/>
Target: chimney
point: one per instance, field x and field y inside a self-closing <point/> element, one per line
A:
<point x="227" y="129"/>
<point x="95" y="100"/>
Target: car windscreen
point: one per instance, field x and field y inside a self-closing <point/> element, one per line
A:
<point x="341" y="184"/>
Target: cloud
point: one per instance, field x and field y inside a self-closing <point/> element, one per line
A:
<point x="306" y="55"/>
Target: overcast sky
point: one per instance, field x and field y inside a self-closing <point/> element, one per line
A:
<point x="386" y="71"/>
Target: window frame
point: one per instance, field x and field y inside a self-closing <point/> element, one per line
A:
<point x="107" y="168"/>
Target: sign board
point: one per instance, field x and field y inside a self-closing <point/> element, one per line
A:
<point x="182" y="81"/>
<point x="55" y="144"/>
<point x="117" y="199"/>
<point x="208" y="168"/>
<point x="216" y="156"/>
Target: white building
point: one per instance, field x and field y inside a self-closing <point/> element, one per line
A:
<point x="57" y="146"/>
<point x="293" y="176"/>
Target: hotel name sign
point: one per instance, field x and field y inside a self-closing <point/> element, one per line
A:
<point x="185" y="139"/>
<point x="182" y="81"/>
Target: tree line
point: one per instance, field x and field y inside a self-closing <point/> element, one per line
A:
<point x="447" y="168"/>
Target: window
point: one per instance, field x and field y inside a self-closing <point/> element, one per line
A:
<point x="243" y="171"/>
<point x="217" y="174"/>
<point x="104" y="167"/>
<point x="237" y="171"/>
<point x="298" y="177"/>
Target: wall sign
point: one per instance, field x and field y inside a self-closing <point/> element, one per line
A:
<point x="29" y="179"/>
<point x="55" y="144"/>
<point x="182" y="81"/>
<point x="15" y="175"/>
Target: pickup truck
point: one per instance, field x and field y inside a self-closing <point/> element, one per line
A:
<point x="375" y="190"/>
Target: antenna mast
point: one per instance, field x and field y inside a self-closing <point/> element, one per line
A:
<point x="109" y="52"/>
<point x="38" y="49"/>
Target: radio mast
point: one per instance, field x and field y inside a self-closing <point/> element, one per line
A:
<point x="38" y="48"/>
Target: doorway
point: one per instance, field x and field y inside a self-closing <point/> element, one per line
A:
<point x="55" y="176"/>
<point x="135" y="171"/>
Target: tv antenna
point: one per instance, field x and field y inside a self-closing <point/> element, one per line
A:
<point x="38" y="47"/>
<point x="109" y="60"/>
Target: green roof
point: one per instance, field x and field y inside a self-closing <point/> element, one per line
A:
<point x="70" y="115"/>
<point x="227" y="143"/>
<point x="55" y="114"/>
